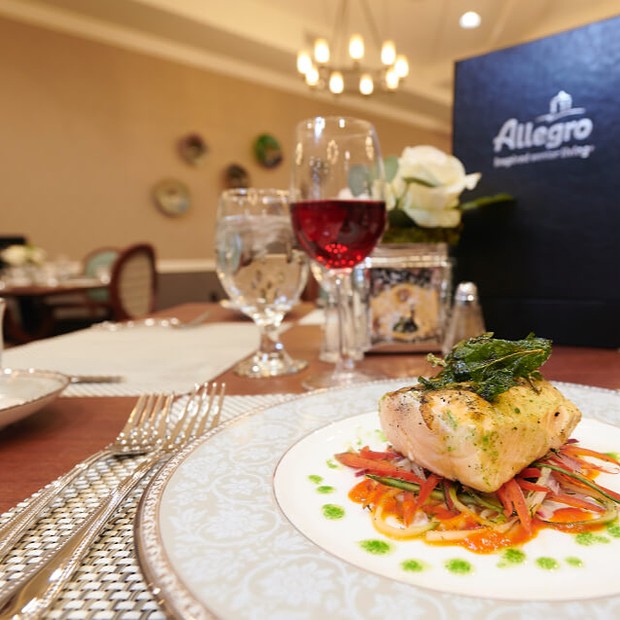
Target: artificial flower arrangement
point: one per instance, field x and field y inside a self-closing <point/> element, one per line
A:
<point x="22" y="255"/>
<point x="423" y="189"/>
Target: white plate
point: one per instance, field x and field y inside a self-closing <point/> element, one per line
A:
<point x="213" y="540"/>
<point x="22" y="392"/>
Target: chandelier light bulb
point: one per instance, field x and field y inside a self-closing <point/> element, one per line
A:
<point x="304" y="62"/>
<point x="336" y="82"/>
<point x="391" y="79"/>
<point x="321" y="51"/>
<point x="356" y="47"/>
<point x="388" y="53"/>
<point x="470" y="19"/>
<point x="343" y="64"/>
<point x="367" y="86"/>
<point x="401" y="66"/>
<point x="312" y="76"/>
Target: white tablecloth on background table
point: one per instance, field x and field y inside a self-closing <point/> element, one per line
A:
<point x="149" y="358"/>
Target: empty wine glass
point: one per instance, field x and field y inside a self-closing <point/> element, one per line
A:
<point x="338" y="213"/>
<point x="261" y="269"/>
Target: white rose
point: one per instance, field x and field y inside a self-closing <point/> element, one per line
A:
<point x="15" y="255"/>
<point x="429" y="183"/>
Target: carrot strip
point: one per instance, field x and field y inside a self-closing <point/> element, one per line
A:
<point x="526" y="485"/>
<point x="516" y="497"/>
<point x="409" y="507"/>
<point x="574" y="450"/>
<point x="505" y="499"/>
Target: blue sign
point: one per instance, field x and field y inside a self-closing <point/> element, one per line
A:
<point x="541" y="121"/>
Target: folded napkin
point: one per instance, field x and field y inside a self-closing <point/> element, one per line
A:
<point x="149" y="358"/>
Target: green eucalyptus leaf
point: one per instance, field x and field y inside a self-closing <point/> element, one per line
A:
<point x="390" y="167"/>
<point x="359" y="180"/>
<point x="490" y="366"/>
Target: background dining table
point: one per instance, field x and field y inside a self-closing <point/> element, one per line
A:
<point x="33" y="297"/>
<point x="41" y="447"/>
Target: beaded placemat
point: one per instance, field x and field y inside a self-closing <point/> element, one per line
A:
<point x="109" y="584"/>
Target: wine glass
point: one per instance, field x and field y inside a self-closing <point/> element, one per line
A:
<point x="338" y="214"/>
<point x="261" y="269"/>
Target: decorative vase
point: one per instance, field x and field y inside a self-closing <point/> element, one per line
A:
<point x="409" y="296"/>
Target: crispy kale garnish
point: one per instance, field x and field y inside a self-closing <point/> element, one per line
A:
<point x="489" y="366"/>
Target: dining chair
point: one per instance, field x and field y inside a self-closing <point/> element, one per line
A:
<point x="130" y="292"/>
<point x="93" y="263"/>
<point x="88" y="306"/>
<point x="133" y="282"/>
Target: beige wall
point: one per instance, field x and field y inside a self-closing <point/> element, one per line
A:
<point x="86" y="130"/>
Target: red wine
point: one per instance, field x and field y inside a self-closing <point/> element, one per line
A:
<point x="338" y="233"/>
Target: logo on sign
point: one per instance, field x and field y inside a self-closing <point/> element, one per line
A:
<point x="559" y="134"/>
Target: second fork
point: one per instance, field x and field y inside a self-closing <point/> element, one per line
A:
<point x="36" y="592"/>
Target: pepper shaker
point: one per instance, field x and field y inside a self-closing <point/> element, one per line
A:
<point x="466" y="319"/>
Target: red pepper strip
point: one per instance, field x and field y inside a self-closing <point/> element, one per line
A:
<point x="380" y="468"/>
<point x="516" y="497"/>
<point x="388" y="455"/>
<point x="427" y="488"/>
<point x="576" y="502"/>
<point x="530" y="472"/>
<point x="526" y="485"/>
<point x="578" y="451"/>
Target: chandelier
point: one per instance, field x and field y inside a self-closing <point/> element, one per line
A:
<point x="330" y="68"/>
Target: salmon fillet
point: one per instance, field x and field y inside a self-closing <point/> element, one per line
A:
<point x="459" y="435"/>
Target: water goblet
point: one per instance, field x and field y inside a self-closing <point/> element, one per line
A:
<point x="261" y="269"/>
<point x="338" y="214"/>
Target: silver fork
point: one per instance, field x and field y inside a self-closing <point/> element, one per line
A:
<point x="35" y="593"/>
<point x="138" y="436"/>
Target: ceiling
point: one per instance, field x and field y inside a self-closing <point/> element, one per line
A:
<point x="258" y="39"/>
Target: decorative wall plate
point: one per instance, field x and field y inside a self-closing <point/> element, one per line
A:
<point x="267" y="151"/>
<point x="171" y="197"/>
<point x="193" y="149"/>
<point x="236" y="176"/>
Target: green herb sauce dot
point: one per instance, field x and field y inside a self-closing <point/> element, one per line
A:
<point x="324" y="489"/>
<point x="331" y="464"/>
<point x="574" y="562"/>
<point x="511" y="557"/>
<point x="613" y="529"/>
<point x="587" y="539"/>
<point x="316" y="479"/>
<point x="459" y="567"/>
<point x="376" y="547"/>
<point x="413" y="566"/>
<point x="333" y="512"/>
<point x="547" y="563"/>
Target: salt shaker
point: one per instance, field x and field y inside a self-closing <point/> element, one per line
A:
<point x="466" y="319"/>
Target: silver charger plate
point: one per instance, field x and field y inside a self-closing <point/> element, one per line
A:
<point x="22" y="392"/>
<point x="213" y="540"/>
